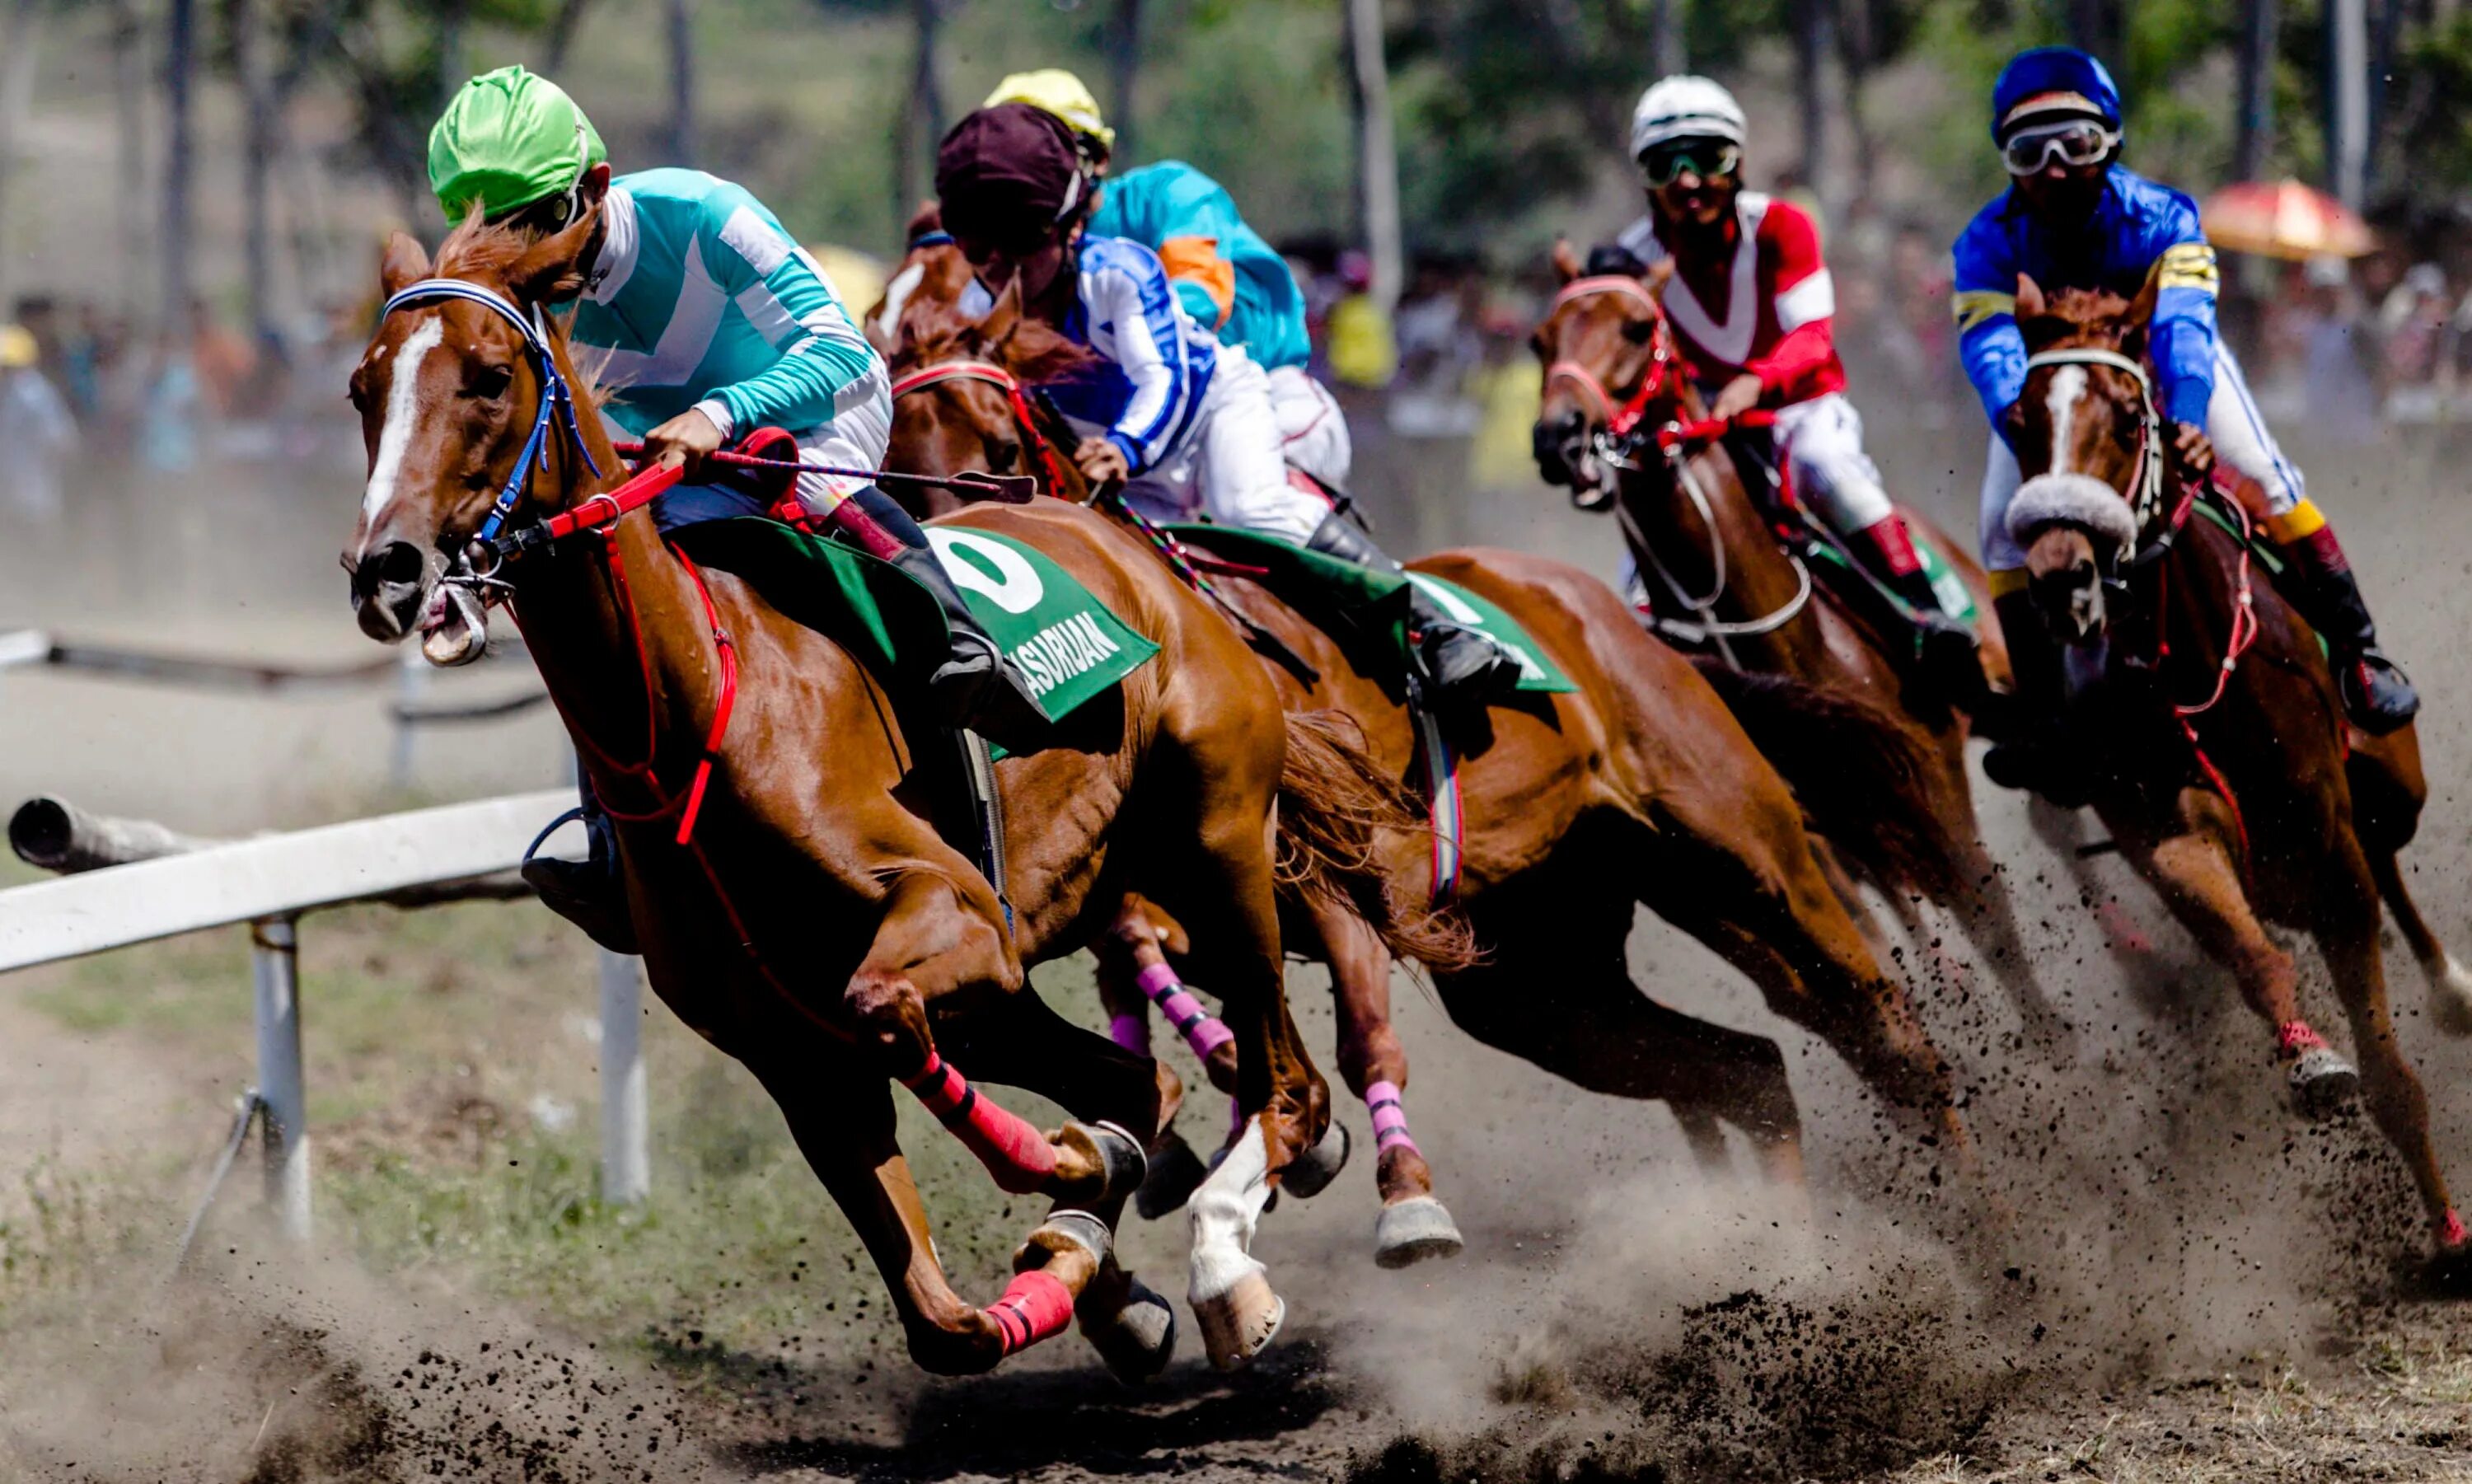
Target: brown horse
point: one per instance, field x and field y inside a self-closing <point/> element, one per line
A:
<point x="1637" y="788"/>
<point x="2224" y="766"/>
<point x="1610" y="355"/>
<point x="797" y="906"/>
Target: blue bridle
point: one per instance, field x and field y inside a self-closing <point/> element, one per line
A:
<point x="557" y="399"/>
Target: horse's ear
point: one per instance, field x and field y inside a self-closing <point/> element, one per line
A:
<point x="1659" y="273"/>
<point x="2140" y="317"/>
<point x="553" y="268"/>
<point x="401" y="263"/>
<point x="1566" y="262"/>
<point x="997" y="325"/>
<point x="2029" y="298"/>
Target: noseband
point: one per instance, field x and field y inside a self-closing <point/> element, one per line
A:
<point x="989" y="374"/>
<point x="1621" y="419"/>
<point x="2145" y="500"/>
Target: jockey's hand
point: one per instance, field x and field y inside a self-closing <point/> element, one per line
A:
<point x="2195" y="450"/>
<point x="1101" y="462"/>
<point x="685" y="442"/>
<point x="1739" y="396"/>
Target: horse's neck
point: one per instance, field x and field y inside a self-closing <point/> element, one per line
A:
<point x="1759" y="577"/>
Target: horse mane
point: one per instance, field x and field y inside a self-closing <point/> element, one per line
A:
<point x="480" y="252"/>
<point x="2077" y="317"/>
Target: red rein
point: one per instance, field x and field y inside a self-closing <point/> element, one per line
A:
<point x="2244" y="634"/>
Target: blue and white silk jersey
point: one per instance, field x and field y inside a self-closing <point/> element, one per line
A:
<point x="701" y="298"/>
<point x="2140" y="230"/>
<point x="1158" y="362"/>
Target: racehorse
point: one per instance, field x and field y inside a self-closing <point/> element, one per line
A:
<point x="795" y="905"/>
<point x="2221" y="759"/>
<point x="1615" y="394"/>
<point x="1637" y="787"/>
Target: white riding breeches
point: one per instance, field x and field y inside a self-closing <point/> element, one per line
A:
<point x="2242" y="444"/>
<point x="1230" y="466"/>
<point x="1821" y="441"/>
<point x="1311" y="427"/>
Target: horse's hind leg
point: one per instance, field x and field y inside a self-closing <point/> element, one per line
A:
<point x="1414" y="1224"/>
<point x="2449" y="982"/>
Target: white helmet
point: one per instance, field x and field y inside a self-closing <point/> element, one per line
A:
<point x="1685" y="106"/>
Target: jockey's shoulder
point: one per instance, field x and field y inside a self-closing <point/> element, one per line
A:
<point x="1120" y="255"/>
<point x="690" y="198"/>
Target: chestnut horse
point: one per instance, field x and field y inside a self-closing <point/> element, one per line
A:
<point x="1636" y="788"/>
<point x="1610" y="359"/>
<point x="797" y="906"/>
<point x="2221" y="760"/>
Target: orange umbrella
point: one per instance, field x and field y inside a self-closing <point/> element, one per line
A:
<point x="2284" y="219"/>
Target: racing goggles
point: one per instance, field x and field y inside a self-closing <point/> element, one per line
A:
<point x="2073" y="141"/>
<point x="1664" y="164"/>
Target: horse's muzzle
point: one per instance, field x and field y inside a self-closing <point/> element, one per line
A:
<point x="389" y="589"/>
<point x="2071" y="601"/>
<point x="1558" y="444"/>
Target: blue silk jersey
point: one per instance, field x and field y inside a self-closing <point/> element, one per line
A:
<point x="1226" y="276"/>
<point x="2139" y="231"/>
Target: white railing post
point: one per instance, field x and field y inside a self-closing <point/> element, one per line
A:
<point x="411" y="682"/>
<point x="274" y="944"/>
<point x="625" y="1156"/>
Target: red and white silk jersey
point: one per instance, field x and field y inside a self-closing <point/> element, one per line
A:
<point x="1777" y="303"/>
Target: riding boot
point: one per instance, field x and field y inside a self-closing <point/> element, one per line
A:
<point x="1945" y="652"/>
<point x="590" y="892"/>
<point x="1462" y="664"/>
<point x="2318" y="580"/>
<point x="972" y="686"/>
<point x="2036" y="752"/>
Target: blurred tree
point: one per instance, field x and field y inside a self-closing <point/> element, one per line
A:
<point x="180" y="74"/>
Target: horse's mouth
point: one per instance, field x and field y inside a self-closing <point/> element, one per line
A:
<point x="454" y="626"/>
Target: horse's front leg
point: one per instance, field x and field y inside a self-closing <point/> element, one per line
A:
<point x="1414" y="1224"/>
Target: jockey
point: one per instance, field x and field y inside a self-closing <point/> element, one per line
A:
<point x="2075" y="218"/>
<point x="714" y="323"/>
<point x="1181" y="420"/>
<point x="1753" y="301"/>
<point x="1227" y="277"/>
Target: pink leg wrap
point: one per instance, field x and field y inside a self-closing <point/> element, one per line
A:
<point x="1034" y="1307"/>
<point x="1203" y="1031"/>
<point x="1018" y="1156"/>
<point x="1390" y="1119"/>
<point x="2451" y="1236"/>
<point x="2293" y="1037"/>
<point x="1132" y="1032"/>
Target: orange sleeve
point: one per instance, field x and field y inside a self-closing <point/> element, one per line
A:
<point x="1195" y="260"/>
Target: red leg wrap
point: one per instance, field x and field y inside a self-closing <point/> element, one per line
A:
<point x="1034" y="1307"/>
<point x="1895" y="546"/>
<point x="1018" y="1156"/>
<point x="2293" y="1037"/>
<point x="2451" y="1236"/>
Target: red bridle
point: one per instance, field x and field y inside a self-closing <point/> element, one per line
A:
<point x="1620" y="417"/>
<point x="989" y="374"/>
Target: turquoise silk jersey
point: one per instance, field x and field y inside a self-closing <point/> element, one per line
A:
<point x="701" y="298"/>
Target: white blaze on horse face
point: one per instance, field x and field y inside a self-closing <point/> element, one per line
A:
<point x="402" y="407"/>
<point x="2068" y="388"/>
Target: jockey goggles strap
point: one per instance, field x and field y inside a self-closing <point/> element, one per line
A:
<point x="2146" y="502"/>
<point x="556" y="398"/>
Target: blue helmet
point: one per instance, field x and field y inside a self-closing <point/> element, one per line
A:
<point x="2052" y="79"/>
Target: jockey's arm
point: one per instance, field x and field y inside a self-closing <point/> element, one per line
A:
<point x="785" y="297"/>
<point x="1133" y="298"/>
<point x="1805" y="307"/>
<point x="2181" y="342"/>
<point x="1990" y="343"/>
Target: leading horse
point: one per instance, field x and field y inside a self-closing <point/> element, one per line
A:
<point x="797" y="906"/>
<point x="2209" y="721"/>
<point x="1635" y="788"/>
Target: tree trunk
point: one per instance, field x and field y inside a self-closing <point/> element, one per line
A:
<point x="128" y="103"/>
<point x="1812" y="26"/>
<point x="683" y="108"/>
<point x="1377" y="155"/>
<point x="2347" y="100"/>
<point x="179" y="73"/>
<point x="1123" y="69"/>
<point x="257" y="155"/>
<point x="2102" y="27"/>
<point x="922" y="128"/>
<point x="20" y="40"/>
<point x="1669" y="50"/>
<point x="2256" y="124"/>
<point x="562" y="27"/>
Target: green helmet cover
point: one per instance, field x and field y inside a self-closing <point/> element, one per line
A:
<point x="507" y="139"/>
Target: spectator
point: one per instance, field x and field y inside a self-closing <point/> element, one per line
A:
<point x="35" y="429"/>
<point x="2340" y="387"/>
<point x="167" y="421"/>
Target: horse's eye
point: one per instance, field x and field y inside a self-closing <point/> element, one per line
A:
<point x="358" y="396"/>
<point x="490" y="383"/>
<point x="1002" y="456"/>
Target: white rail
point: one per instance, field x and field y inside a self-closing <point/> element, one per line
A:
<point x="268" y="882"/>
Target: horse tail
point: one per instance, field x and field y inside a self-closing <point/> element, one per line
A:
<point x="1334" y="804"/>
<point x="1867" y="777"/>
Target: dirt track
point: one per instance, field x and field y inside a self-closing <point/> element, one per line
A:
<point x="2197" y="1287"/>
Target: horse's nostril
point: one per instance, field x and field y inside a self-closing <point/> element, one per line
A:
<point x="401" y="561"/>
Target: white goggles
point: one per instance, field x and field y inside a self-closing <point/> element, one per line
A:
<point x="2076" y="141"/>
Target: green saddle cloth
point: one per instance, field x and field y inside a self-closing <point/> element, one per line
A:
<point x="1370" y="607"/>
<point x="1066" y="645"/>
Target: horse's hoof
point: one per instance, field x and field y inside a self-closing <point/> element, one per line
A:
<point x="1410" y="1231"/>
<point x="2450" y="996"/>
<point x="1241" y="1323"/>
<point x="1311" y="1173"/>
<point x="1119" y="1155"/>
<point x="1175" y="1171"/>
<point x="2323" y="1083"/>
<point x="1137" y="1341"/>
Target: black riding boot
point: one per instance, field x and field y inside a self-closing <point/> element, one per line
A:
<point x="589" y="892"/>
<point x="973" y="686"/>
<point x="2036" y="754"/>
<point x="1463" y="664"/>
<point x="2318" y="580"/>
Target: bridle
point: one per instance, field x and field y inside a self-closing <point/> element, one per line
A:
<point x="2145" y="500"/>
<point x="1616" y="444"/>
<point x="989" y="374"/>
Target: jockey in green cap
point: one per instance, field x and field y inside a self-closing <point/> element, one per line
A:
<point x="714" y="323"/>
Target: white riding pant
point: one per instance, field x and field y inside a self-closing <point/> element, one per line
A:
<point x="2242" y="445"/>
<point x="1311" y="427"/>
<point x="1821" y="443"/>
<point x="1229" y="465"/>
